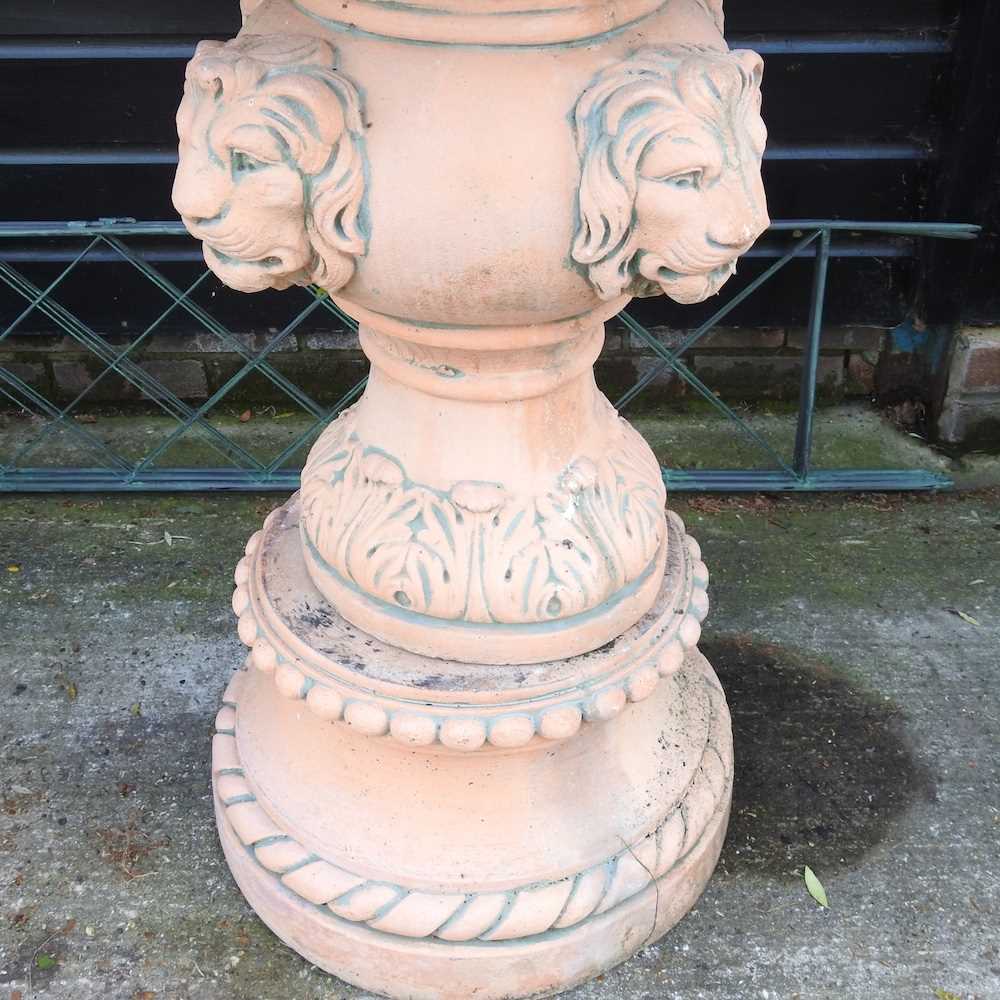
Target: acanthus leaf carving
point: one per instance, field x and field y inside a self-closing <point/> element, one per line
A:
<point x="476" y="552"/>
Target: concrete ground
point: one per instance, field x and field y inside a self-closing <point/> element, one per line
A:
<point x="857" y="639"/>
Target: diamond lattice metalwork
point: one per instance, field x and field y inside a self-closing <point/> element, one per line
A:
<point x="243" y="470"/>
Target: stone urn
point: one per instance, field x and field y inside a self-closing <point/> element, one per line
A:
<point x="474" y="750"/>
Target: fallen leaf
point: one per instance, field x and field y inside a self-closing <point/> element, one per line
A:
<point x="245" y="416"/>
<point x="85" y="418"/>
<point x="170" y="586"/>
<point x="815" y="887"/>
<point x="967" y="618"/>
<point x="13" y="568"/>
<point x="136" y="709"/>
<point x="285" y="415"/>
<point x="946" y="994"/>
<point x="44" y="961"/>
<point x="144" y="995"/>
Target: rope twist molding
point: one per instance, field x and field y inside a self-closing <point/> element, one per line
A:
<point x="521" y="912"/>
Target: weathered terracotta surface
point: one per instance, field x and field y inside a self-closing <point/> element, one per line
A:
<point x="474" y="750"/>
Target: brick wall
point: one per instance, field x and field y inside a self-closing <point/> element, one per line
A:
<point x="740" y="364"/>
<point x="747" y="364"/>
<point x="971" y="410"/>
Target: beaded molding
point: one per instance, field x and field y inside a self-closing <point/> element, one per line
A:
<point x="466" y="728"/>
<point x="459" y="917"/>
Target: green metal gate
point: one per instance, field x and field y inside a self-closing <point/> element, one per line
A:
<point x="111" y="471"/>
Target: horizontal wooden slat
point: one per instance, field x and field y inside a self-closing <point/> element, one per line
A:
<point x="91" y="101"/>
<point x="130" y="155"/>
<point x="97" y="47"/>
<point x="815" y="188"/>
<point x="745" y="16"/>
<point x="917" y="42"/>
<point x="121" y="17"/>
<point x="146" y="47"/>
<point x="807" y="97"/>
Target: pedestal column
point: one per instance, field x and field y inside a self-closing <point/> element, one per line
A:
<point x="474" y="750"/>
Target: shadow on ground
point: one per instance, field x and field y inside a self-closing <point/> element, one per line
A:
<point x="823" y="767"/>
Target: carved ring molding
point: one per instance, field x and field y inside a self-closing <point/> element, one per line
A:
<point x="629" y="672"/>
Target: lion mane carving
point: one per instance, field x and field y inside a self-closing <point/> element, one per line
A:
<point x="271" y="173"/>
<point x="670" y="145"/>
<point x="714" y="10"/>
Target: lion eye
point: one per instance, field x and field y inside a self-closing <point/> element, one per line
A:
<point x="689" y="179"/>
<point x="244" y="163"/>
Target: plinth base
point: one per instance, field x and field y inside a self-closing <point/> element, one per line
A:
<point x="430" y="969"/>
<point x="433" y="830"/>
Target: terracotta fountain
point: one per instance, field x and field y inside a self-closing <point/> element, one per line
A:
<point x="474" y="751"/>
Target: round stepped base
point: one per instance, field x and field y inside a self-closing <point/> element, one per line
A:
<point x="433" y="830"/>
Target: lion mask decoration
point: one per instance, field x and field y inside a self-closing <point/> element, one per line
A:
<point x="670" y="144"/>
<point x="271" y="173"/>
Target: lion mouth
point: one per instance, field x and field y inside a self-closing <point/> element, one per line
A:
<point x="264" y="262"/>
<point x="691" y="287"/>
<point x="713" y="279"/>
<point x="721" y="273"/>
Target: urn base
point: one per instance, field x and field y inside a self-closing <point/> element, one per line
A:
<point x="656" y="889"/>
<point x="435" y="830"/>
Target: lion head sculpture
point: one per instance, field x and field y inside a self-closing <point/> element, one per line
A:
<point x="670" y="145"/>
<point x="271" y="173"/>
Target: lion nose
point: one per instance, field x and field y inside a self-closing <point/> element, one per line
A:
<point x="742" y="214"/>
<point x="196" y="194"/>
<point x="745" y="233"/>
<point x="738" y="230"/>
<point x="735" y="236"/>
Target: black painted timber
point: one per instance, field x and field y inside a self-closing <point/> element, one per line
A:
<point x="865" y="102"/>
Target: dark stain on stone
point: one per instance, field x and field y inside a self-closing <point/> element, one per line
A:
<point x="307" y="616"/>
<point x="823" y="766"/>
<point x="606" y="648"/>
<point x="430" y="681"/>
